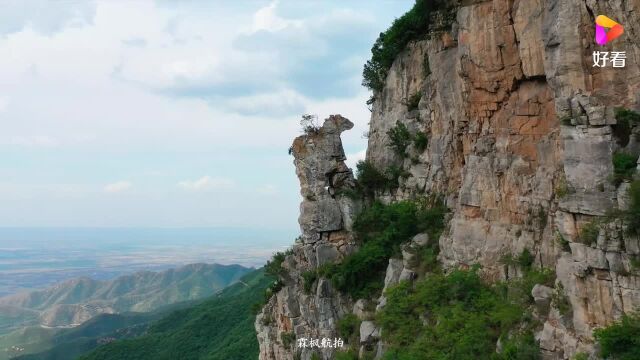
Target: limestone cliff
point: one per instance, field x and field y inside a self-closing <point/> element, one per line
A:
<point x="521" y="133"/>
<point x="326" y="217"/>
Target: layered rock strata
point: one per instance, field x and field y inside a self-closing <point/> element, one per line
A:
<point x="521" y="131"/>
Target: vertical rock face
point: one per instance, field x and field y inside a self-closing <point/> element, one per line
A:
<point x="494" y="89"/>
<point x="326" y="217"/>
<point x="521" y="131"/>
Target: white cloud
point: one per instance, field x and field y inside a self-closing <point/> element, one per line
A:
<point x="267" y="19"/>
<point x="352" y="159"/>
<point x="207" y="183"/>
<point x="268" y="189"/>
<point x="280" y="103"/>
<point x="4" y="102"/>
<point x="44" y="16"/>
<point x="118" y="187"/>
<point x="30" y="141"/>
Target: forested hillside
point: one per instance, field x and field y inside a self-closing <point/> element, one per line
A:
<point x="221" y="328"/>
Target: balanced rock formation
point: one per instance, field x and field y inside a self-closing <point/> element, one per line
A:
<point x="326" y="217"/>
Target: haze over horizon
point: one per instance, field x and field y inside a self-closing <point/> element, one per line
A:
<point x="34" y="258"/>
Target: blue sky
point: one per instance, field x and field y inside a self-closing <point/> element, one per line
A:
<point x="172" y="114"/>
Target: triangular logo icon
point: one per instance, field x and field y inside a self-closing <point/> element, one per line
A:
<point x="603" y="36"/>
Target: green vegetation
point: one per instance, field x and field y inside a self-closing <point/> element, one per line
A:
<point x="269" y="292"/>
<point x="400" y="138"/>
<point x="274" y="266"/>
<point x="458" y="316"/>
<point x="420" y="141"/>
<point x="394" y="173"/>
<point x="287" y="339"/>
<point x="309" y="277"/>
<point x="581" y="356"/>
<point x="381" y="229"/>
<point x="589" y="233"/>
<point x="413" y="101"/>
<point x="628" y="116"/>
<point x="624" y="167"/>
<point x="620" y="341"/>
<point x="562" y="188"/>
<point x="414" y="25"/>
<point x="371" y="180"/>
<point x="426" y="68"/>
<point x="632" y="214"/>
<point x="522" y="347"/>
<point x="309" y="124"/>
<point x="70" y="343"/>
<point x="524" y="260"/>
<point x="564" y="243"/>
<point x="219" y="328"/>
<point x="349" y="328"/>
<point x="519" y="289"/>
<point x="560" y="300"/>
<point x="625" y="120"/>
<point x="542" y="217"/>
<point x="150" y="295"/>
<point x="347" y="355"/>
<point x="566" y="120"/>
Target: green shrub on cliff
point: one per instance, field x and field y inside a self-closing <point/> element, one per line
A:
<point x="371" y="180"/>
<point x="347" y="355"/>
<point x="420" y="141"/>
<point x="628" y="116"/>
<point x="455" y="316"/>
<point x="349" y="328"/>
<point x="620" y="341"/>
<point x="625" y="120"/>
<point x="414" y="25"/>
<point x="413" y="101"/>
<point x="632" y="215"/>
<point x="399" y="138"/>
<point x="624" y="166"/>
<point x="381" y="229"/>
<point x="273" y="267"/>
<point x="589" y="233"/>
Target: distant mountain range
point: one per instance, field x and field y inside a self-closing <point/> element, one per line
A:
<point x="38" y="315"/>
<point x="217" y="328"/>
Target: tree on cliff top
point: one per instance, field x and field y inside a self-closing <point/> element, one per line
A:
<point x="414" y="25"/>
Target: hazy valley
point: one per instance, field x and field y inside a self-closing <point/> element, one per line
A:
<point x="37" y="317"/>
<point x="88" y="286"/>
<point x="32" y="258"/>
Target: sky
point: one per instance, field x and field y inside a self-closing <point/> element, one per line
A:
<point x="135" y="113"/>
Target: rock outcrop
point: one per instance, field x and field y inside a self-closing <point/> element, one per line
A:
<point x="326" y="217"/>
<point x="521" y="131"/>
